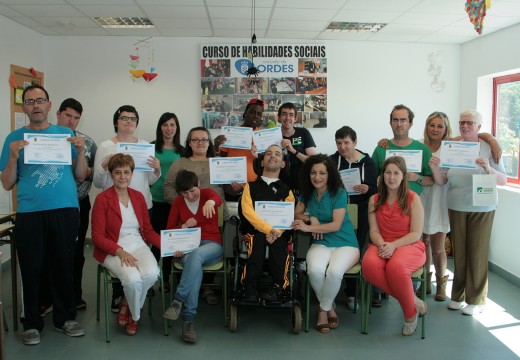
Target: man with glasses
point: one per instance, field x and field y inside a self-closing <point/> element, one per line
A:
<point x="297" y="140"/>
<point x="47" y="217"/>
<point x="401" y="120"/>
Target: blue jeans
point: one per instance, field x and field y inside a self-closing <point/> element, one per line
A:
<point x="208" y="253"/>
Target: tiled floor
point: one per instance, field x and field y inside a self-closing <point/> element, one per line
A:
<point x="266" y="333"/>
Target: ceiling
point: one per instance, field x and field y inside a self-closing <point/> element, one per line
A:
<point x="419" y="21"/>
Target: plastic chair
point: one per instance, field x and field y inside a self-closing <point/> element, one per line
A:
<point x="109" y="278"/>
<point x="418" y="275"/>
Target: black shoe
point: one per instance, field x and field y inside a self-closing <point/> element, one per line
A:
<point x="115" y="304"/>
<point x="81" y="305"/>
<point x="250" y="295"/>
<point x="272" y="295"/>
<point x="376" y="300"/>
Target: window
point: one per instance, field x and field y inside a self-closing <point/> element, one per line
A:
<point x="506" y="122"/>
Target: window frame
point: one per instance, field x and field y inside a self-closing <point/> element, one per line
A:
<point x="499" y="80"/>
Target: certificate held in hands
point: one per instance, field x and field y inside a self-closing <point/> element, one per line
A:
<point x="412" y="158"/>
<point x="47" y="149"/>
<point x="227" y="170"/>
<point x="139" y="152"/>
<point x="278" y="214"/>
<point x="185" y="240"/>
<point x="459" y="154"/>
<point x="237" y="137"/>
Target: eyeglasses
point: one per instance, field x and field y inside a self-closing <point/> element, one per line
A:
<point x="466" y="122"/>
<point x="200" y="141"/>
<point x="400" y="121"/>
<point x="126" y="118"/>
<point x="37" y="101"/>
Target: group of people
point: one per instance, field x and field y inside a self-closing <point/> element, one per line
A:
<point x="402" y="213"/>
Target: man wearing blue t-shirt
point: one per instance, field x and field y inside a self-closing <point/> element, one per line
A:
<point x="47" y="217"/>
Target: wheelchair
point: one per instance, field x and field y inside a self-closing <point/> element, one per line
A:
<point x="287" y="299"/>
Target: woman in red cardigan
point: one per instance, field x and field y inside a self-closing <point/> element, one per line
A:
<point x="121" y="232"/>
<point x="194" y="207"/>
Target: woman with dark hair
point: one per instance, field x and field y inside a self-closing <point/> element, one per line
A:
<point x="198" y="150"/>
<point x="322" y="211"/>
<point x="395" y="216"/>
<point x="121" y="232"/>
<point x="348" y="157"/>
<point x="167" y="149"/>
<point x="125" y="122"/>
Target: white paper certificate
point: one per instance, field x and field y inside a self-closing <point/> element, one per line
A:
<point x="227" y="170"/>
<point x="51" y="149"/>
<point x="350" y="178"/>
<point x="459" y="154"/>
<point x="237" y="137"/>
<point x="267" y="137"/>
<point x="140" y="153"/>
<point x="185" y="240"/>
<point x="278" y="214"/>
<point x="412" y="158"/>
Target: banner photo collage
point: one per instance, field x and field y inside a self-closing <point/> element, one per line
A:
<point x="286" y="73"/>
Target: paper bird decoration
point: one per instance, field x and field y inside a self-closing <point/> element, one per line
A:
<point x="134" y="57"/>
<point x="476" y="10"/>
<point x="149" y="76"/>
<point x="136" y="74"/>
<point x="33" y="72"/>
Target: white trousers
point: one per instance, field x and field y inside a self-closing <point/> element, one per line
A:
<point x="135" y="280"/>
<point x="326" y="267"/>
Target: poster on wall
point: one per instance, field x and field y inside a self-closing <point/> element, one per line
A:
<point x="286" y="73"/>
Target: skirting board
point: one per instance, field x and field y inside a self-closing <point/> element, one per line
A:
<point x="504" y="274"/>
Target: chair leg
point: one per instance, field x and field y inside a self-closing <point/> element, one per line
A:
<point x="307" y="302"/>
<point x="98" y="295"/>
<point x="161" y="282"/>
<point x="225" y="294"/>
<point x="423" y="298"/>
<point x="107" y="307"/>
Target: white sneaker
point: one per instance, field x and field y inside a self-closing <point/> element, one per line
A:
<point x="473" y="309"/>
<point x="456" y="305"/>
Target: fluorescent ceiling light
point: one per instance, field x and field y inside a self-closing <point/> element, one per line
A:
<point x="124" y="22"/>
<point x="345" y="26"/>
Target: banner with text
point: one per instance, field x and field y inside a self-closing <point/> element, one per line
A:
<point x="285" y="73"/>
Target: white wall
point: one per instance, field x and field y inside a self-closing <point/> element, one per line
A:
<point x="364" y="81"/>
<point x="492" y="54"/>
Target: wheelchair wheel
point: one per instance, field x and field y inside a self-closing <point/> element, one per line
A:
<point x="296" y="318"/>
<point x="233" y="318"/>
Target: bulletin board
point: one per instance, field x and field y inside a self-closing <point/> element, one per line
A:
<point x="19" y="79"/>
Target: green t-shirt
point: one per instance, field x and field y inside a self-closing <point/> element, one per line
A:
<point x="167" y="157"/>
<point x="379" y="157"/>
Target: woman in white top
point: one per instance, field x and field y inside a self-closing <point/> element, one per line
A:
<point x="125" y="121"/>
<point x="470" y="224"/>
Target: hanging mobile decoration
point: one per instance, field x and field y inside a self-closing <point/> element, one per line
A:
<point x="136" y="70"/>
<point x="476" y="10"/>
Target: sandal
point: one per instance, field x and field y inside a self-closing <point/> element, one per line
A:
<point x="333" y="320"/>
<point x="323" y="328"/>
<point x="123" y="315"/>
<point x="131" y="327"/>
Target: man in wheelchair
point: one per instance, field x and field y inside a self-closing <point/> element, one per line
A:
<point x="258" y="234"/>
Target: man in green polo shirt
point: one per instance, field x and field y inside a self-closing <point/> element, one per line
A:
<point x="401" y="120"/>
